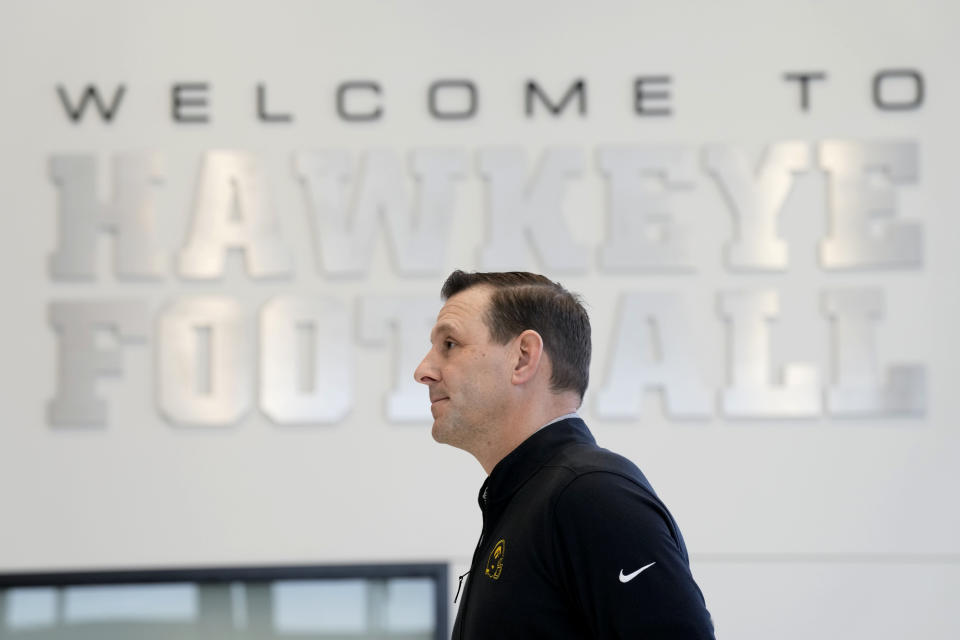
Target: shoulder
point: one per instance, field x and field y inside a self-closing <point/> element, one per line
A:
<point x="590" y="465"/>
<point x="605" y="495"/>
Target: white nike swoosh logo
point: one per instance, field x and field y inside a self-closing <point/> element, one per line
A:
<point x="627" y="578"/>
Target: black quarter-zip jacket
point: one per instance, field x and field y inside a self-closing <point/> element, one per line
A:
<point x="576" y="544"/>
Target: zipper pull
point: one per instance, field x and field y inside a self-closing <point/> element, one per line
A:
<point x="460" y="585"/>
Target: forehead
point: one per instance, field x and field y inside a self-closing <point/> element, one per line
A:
<point x="464" y="311"/>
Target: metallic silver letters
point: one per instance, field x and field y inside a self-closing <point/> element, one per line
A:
<point x="81" y="361"/>
<point x="651" y="349"/>
<point x="857" y="389"/>
<point x="232" y="211"/>
<point x="523" y="211"/>
<point x="643" y="232"/>
<point x="750" y="392"/>
<point x="206" y="352"/>
<point x="410" y="319"/>
<point x="130" y="213"/>
<point x="345" y="239"/>
<point x="756" y="198"/>
<point x="229" y="368"/>
<point x="863" y="231"/>
<point x="330" y="391"/>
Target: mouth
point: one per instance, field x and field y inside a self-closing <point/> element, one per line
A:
<point x="437" y="400"/>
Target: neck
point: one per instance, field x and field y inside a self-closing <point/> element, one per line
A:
<point x="523" y="425"/>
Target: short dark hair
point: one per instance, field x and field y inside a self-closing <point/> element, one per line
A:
<point x="522" y="301"/>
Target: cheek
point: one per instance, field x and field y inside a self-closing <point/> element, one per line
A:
<point x="496" y="373"/>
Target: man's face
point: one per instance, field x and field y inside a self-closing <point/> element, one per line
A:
<point x="467" y="372"/>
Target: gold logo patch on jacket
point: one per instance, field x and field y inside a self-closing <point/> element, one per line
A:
<point x="495" y="560"/>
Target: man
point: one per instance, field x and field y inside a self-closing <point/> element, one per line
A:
<point x="575" y="543"/>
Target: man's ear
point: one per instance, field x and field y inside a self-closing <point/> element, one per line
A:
<point x="529" y="357"/>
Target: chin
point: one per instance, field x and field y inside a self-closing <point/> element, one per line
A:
<point x="445" y="433"/>
<point x="438" y="433"/>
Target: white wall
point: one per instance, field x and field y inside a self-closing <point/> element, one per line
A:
<point x="839" y="528"/>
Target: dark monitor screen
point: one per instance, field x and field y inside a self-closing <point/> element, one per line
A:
<point x="357" y="602"/>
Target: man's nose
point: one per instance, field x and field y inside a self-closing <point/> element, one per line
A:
<point x="426" y="373"/>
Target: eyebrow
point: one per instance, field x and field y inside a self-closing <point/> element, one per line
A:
<point x="443" y="327"/>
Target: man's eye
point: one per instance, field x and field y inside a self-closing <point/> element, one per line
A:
<point x="448" y="344"/>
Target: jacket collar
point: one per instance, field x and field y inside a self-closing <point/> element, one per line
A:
<point x="517" y="466"/>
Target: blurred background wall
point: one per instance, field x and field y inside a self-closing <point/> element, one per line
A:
<point x="227" y="224"/>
